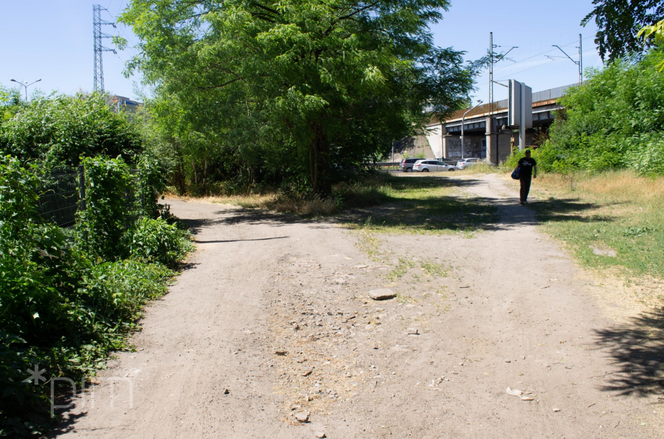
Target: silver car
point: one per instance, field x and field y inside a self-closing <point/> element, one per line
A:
<point x="432" y="166"/>
<point x="406" y="165"/>
<point x="464" y="163"/>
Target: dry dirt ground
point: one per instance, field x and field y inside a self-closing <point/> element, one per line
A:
<point x="270" y="332"/>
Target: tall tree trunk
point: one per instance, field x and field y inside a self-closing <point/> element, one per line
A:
<point x="181" y="179"/>
<point x="193" y="166"/>
<point x="180" y="173"/>
<point x="204" y="175"/>
<point x="319" y="162"/>
<point x="313" y="165"/>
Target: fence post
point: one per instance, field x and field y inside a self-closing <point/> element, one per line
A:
<point x="81" y="186"/>
<point x="141" y="189"/>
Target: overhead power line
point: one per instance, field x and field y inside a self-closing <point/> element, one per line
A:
<point x="98" y="84"/>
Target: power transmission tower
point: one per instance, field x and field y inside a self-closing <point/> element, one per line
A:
<point x="99" y="48"/>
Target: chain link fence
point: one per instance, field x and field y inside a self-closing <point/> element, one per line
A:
<point x="59" y="199"/>
<point x="63" y="194"/>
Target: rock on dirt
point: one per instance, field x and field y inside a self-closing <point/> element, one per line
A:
<point x="302" y="416"/>
<point x="382" y="294"/>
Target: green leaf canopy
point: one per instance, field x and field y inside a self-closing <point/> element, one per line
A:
<point x="301" y="85"/>
<point x="618" y="23"/>
<point x="614" y="120"/>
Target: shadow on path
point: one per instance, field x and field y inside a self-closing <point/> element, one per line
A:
<point x="237" y="216"/>
<point x="221" y="241"/>
<point x="440" y="213"/>
<point x="68" y="423"/>
<point x="559" y="210"/>
<point x="637" y="350"/>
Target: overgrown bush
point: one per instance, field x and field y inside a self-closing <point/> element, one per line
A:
<point x="108" y="213"/>
<point x="646" y="155"/>
<point x="118" y="290"/>
<point x="156" y="241"/>
<point x="68" y="298"/>
<point x="59" y="130"/>
<point x="26" y="298"/>
<point x="614" y="120"/>
<point x="152" y="182"/>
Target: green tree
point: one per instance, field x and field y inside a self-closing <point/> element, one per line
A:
<point x="655" y="33"/>
<point x="618" y="23"/>
<point x="296" y="87"/>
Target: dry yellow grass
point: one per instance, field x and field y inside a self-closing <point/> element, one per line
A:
<point x="482" y="168"/>
<point x="617" y="185"/>
<point x="248" y="201"/>
<point x="279" y="203"/>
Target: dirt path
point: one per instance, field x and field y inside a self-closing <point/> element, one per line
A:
<point x="272" y="322"/>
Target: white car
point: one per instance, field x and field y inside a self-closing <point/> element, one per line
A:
<point x="463" y="163"/>
<point x="432" y="166"/>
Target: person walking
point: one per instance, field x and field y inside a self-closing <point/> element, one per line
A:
<point x="528" y="171"/>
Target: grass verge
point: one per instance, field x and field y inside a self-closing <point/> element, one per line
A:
<point x="613" y="222"/>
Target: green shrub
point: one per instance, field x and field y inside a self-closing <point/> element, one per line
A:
<point x="58" y="310"/>
<point x="156" y="241"/>
<point x="39" y="274"/>
<point x="646" y="154"/>
<point x="118" y="290"/>
<point x="108" y="213"/>
<point x="58" y="131"/>
<point x="613" y="121"/>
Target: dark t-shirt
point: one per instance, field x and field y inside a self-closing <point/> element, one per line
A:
<point x="527" y="165"/>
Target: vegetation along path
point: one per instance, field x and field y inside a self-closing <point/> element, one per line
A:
<point x="270" y="332"/>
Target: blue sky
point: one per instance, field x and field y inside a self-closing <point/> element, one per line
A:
<point x="532" y="25"/>
<point x="52" y="40"/>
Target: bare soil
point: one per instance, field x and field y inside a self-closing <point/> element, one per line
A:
<point x="270" y="332"/>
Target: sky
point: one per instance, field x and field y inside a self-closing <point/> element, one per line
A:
<point x="532" y="25"/>
<point x="52" y="40"/>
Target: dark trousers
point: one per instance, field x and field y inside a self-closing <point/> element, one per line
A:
<point x="525" y="188"/>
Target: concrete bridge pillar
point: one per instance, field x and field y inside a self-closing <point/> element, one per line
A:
<point x="490" y="133"/>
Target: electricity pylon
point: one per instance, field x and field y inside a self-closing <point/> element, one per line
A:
<point x="99" y="48"/>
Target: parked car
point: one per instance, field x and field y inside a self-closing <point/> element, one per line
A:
<point x="406" y="165"/>
<point x="464" y="163"/>
<point x="432" y="166"/>
<point x="448" y="161"/>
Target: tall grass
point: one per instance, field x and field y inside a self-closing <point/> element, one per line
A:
<point x="615" y="185"/>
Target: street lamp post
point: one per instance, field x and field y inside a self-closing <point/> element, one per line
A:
<point x="463" y="119"/>
<point x="25" y="86"/>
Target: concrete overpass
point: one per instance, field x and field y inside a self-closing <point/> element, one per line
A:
<point x="486" y="134"/>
